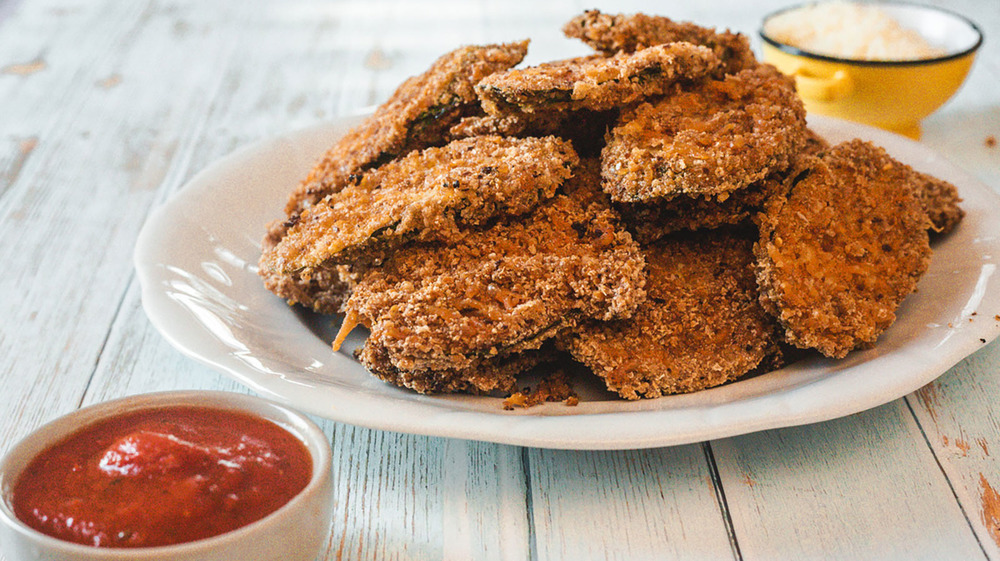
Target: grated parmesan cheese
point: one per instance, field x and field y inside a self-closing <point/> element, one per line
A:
<point x="849" y="30"/>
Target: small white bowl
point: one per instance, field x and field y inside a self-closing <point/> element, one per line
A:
<point x="295" y="532"/>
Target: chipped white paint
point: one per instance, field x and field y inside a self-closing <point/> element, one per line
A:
<point x="958" y="412"/>
<point x="860" y="487"/>
<point x="109" y="107"/>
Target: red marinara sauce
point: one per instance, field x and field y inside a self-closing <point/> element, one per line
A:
<point x="161" y="476"/>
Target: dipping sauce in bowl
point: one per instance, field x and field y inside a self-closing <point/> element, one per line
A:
<point x="161" y="476"/>
<point x="170" y="476"/>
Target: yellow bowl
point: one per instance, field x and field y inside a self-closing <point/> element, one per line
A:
<point x="893" y="95"/>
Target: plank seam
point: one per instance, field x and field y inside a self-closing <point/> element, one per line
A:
<point x="180" y="165"/>
<point x="107" y="337"/>
<point x="961" y="507"/>
<point x="529" y="504"/>
<point x="720" y="497"/>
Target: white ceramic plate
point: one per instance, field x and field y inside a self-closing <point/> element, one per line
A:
<point x="196" y="259"/>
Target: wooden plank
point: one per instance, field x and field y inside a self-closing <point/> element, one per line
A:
<point x="484" y="512"/>
<point x="643" y="504"/>
<point x="16" y="152"/>
<point x="861" y="487"/>
<point x="73" y="208"/>
<point x="411" y="497"/>
<point x="958" y="413"/>
<point x="387" y="500"/>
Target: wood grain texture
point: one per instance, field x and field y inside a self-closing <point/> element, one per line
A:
<point x="75" y="227"/>
<point x="860" y="487"/>
<point x="110" y="107"/>
<point x="413" y="497"/>
<point x="642" y="504"/>
<point x="958" y="414"/>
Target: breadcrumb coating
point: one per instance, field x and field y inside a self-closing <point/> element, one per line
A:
<point x="716" y="138"/>
<point x="596" y="82"/>
<point x="427" y="195"/>
<point x="323" y="289"/>
<point x="487" y="375"/>
<point x="701" y="325"/>
<point x="840" y="252"/>
<point x="660" y="211"/>
<point x="940" y="200"/>
<point x="417" y="115"/>
<point x="584" y="129"/>
<point x="510" y="124"/>
<point x="584" y="187"/>
<point x="618" y="33"/>
<point x="501" y="291"/>
<point x="555" y="387"/>
<point x="651" y="221"/>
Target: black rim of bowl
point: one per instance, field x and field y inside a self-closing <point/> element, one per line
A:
<point x="799" y="52"/>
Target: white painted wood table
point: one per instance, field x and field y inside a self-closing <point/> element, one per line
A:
<point x="108" y="107"/>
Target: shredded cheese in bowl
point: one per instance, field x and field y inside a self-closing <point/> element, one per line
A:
<point x="849" y="30"/>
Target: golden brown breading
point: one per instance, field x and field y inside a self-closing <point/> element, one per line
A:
<point x="427" y="195"/>
<point x="651" y="221"/>
<point x="701" y="325"/>
<point x="714" y="139"/>
<point x="486" y="219"/>
<point x="501" y="291"/>
<point x="584" y="187"/>
<point x="585" y="129"/>
<point x="596" y="82"/>
<point x="511" y="124"/>
<point x="617" y="33"/>
<point x="323" y="289"/>
<point x="554" y="387"/>
<point x="491" y="374"/>
<point x="940" y="200"/>
<point x="417" y="115"/>
<point x="842" y="249"/>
